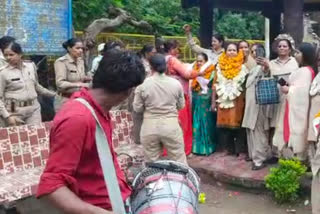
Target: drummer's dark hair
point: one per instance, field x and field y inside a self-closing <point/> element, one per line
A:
<point x="119" y="71"/>
<point x="158" y="63"/>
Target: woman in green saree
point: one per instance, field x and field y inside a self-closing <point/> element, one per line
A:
<point x="204" y="118"/>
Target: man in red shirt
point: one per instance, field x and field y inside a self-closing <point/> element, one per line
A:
<point x="73" y="180"/>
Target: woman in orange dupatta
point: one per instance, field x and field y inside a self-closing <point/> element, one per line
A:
<point x="182" y="72"/>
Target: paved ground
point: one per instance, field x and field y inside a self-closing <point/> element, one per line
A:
<point x="232" y="170"/>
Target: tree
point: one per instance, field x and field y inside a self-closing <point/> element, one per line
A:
<point x="167" y="18"/>
<point x="246" y="25"/>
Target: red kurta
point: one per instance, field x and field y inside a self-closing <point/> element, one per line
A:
<point x="73" y="159"/>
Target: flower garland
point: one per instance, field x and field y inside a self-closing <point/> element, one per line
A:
<point x="207" y="74"/>
<point x="231" y="66"/>
<point x="230" y="80"/>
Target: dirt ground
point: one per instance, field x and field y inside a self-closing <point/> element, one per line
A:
<point x="220" y="200"/>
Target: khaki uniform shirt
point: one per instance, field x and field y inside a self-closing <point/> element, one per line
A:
<point x="159" y="96"/>
<point x="20" y="85"/>
<point x="3" y="61"/>
<point x="212" y="55"/>
<point x="69" y="73"/>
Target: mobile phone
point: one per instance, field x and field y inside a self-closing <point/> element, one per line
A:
<point x="260" y="52"/>
<point x="282" y="82"/>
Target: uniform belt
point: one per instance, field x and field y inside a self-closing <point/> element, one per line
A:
<point x="12" y="104"/>
<point x="64" y="94"/>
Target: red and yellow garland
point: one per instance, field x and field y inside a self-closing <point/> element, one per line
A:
<point x="207" y="74"/>
<point x="231" y="66"/>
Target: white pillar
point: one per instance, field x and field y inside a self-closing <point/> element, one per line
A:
<point x="267" y="36"/>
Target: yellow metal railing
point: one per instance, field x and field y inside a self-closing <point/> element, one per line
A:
<point x="135" y="42"/>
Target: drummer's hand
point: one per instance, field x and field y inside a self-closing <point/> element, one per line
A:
<point x="98" y="210"/>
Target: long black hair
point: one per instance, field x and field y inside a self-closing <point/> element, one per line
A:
<point x="15" y="47"/>
<point x="70" y="43"/>
<point x="145" y="50"/>
<point x="309" y="56"/>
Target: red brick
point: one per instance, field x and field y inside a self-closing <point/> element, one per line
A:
<point x="115" y="143"/>
<point x="123" y="114"/>
<point x="23" y="136"/>
<point x="1" y="164"/>
<point x="44" y="154"/>
<point x="121" y="137"/>
<point x="41" y="133"/>
<point x="7" y="157"/>
<point x="14" y="138"/>
<point x="17" y="160"/>
<point x="48" y="126"/>
<point x="37" y="161"/>
<point x="27" y="158"/>
<point x="118" y="119"/>
<point x="34" y="189"/>
<point x="113" y="124"/>
<point x="126" y="131"/>
<point x="4" y="134"/>
<point x="33" y="140"/>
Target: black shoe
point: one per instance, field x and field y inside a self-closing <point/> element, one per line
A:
<point x="254" y="167"/>
<point x="272" y="160"/>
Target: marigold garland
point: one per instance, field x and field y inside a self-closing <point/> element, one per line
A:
<point x="207" y="74"/>
<point x="231" y="66"/>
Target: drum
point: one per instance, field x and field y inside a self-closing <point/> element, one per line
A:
<point x="165" y="187"/>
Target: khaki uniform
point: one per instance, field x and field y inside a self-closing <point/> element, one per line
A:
<point x="159" y="98"/>
<point x="69" y="73"/>
<point x="19" y="90"/>
<point x="256" y="120"/>
<point x="138" y="117"/>
<point x="3" y="61"/>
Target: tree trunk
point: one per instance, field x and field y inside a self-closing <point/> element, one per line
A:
<point x="99" y="25"/>
<point x="293" y="19"/>
<point x="206" y="22"/>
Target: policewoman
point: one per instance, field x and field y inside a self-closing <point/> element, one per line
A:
<point x="19" y="89"/>
<point x="70" y="71"/>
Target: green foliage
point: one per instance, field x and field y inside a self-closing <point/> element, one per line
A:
<point x="284" y="180"/>
<point x="84" y="12"/>
<point x="241" y="25"/>
<point x="167" y="17"/>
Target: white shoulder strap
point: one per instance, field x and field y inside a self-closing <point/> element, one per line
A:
<point x="106" y="161"/>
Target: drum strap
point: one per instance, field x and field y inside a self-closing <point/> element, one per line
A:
<point x="106" y="161"/>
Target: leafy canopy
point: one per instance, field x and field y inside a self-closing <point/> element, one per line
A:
<point x="167" y="17"/>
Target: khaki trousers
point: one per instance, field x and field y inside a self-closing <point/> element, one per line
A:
<point x="315" y="194"/>
<point x="137" y="123"/>
<point x="160" y="133"/>
<point x="258" y="141"/>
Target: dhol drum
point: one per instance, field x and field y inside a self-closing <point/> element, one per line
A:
<point x="165" y="187"/>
